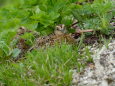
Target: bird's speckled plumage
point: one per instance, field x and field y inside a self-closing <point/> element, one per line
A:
<point x="59" y="35"/>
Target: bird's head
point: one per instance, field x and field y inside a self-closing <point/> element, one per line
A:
<point x="60" y="29"/>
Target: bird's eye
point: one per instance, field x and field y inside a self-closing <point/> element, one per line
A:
<point x="58" y="28"/>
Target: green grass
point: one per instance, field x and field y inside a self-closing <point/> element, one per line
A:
<point x="51" y="65"/>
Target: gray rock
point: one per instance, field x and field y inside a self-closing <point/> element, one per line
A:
<point x="104" y="72"/>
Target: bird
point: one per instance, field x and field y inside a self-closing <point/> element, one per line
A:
<point x="60" y="34"/>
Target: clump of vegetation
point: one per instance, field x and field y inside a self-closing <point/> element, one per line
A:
<point x="53" y="64"/>
<point x="96" y="15"/>
<point x="44" y="15"/>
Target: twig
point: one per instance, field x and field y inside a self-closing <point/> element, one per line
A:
<point x="83" y="31"/>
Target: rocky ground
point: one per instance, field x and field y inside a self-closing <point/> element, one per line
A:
<point x="102" y="72"/>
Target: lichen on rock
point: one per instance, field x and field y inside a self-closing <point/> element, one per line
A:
<point x="104" y="72"/>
